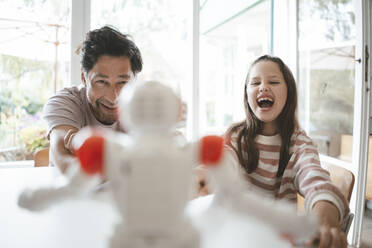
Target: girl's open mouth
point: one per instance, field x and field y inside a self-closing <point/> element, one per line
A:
<point x="265" y="102"/>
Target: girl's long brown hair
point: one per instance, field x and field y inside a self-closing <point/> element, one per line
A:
<point x="248" y="129"/>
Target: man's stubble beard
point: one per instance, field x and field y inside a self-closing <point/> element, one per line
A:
<point x="100" y="116"/>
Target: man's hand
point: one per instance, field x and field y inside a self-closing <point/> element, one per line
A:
<point x="82" y="135"/>
<point x="64" y="141"/>
<point x="58" y="154"/>
<point x="68" y="139"/>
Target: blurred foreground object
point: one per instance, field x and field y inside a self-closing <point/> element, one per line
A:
<point x="150" y="174"/>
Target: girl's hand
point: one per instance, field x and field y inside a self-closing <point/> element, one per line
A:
<point x="330" y="233"/>
<point x="331" y="237"/>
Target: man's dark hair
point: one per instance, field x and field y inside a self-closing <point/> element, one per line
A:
<point x="109" y="41"/>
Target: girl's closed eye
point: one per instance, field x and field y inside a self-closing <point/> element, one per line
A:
<point x="255" y="83"/>
<point x="275" y="82"/>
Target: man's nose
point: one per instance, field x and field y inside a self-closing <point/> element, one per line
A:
<point x="113" y="94"/>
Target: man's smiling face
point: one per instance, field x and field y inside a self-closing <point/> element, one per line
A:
<point x="104" y="83"/>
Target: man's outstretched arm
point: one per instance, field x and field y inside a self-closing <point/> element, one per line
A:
<point x="61" y="153"/>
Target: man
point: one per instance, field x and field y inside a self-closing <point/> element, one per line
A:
<point x="109" y="60"/>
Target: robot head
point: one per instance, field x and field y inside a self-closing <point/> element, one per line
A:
<point x="149" y="107"/>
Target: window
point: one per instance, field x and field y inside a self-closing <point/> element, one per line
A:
<point x="326" y="74"/>
<point x="231" y="37"/>
<point x="34" y="50"/>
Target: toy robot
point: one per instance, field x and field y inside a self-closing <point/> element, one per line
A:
<point x="150" y="174"/>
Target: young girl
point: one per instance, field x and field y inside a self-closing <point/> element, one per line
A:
<point x="275" y="155"/>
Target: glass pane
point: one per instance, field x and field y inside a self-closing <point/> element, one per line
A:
<point x="232" y="36"/>
<point x="162" y="31"/>
<point x="326" y="74"/>
<point x="34" y="54"/>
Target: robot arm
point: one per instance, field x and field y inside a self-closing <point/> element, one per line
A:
<point x="91" y="155"/>
<point x="211" y="149"/>
<point x="39" y="199"/>
<point x="81" y="179"/>
<point x="220" y="173"/>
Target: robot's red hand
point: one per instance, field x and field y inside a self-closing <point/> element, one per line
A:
<point x="90" y="154"/>
<point x="211" y="150"/>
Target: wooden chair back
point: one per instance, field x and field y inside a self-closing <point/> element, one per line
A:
<point x="342" y="178"/>
<point x="41" y="157"/>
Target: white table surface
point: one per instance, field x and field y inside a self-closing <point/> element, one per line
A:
<point x="17" y="164"/>
<point x="89" y="222"/>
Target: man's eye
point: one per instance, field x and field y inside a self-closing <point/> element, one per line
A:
<point x="123" y="82"/>
<point x="100" y="82"/>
